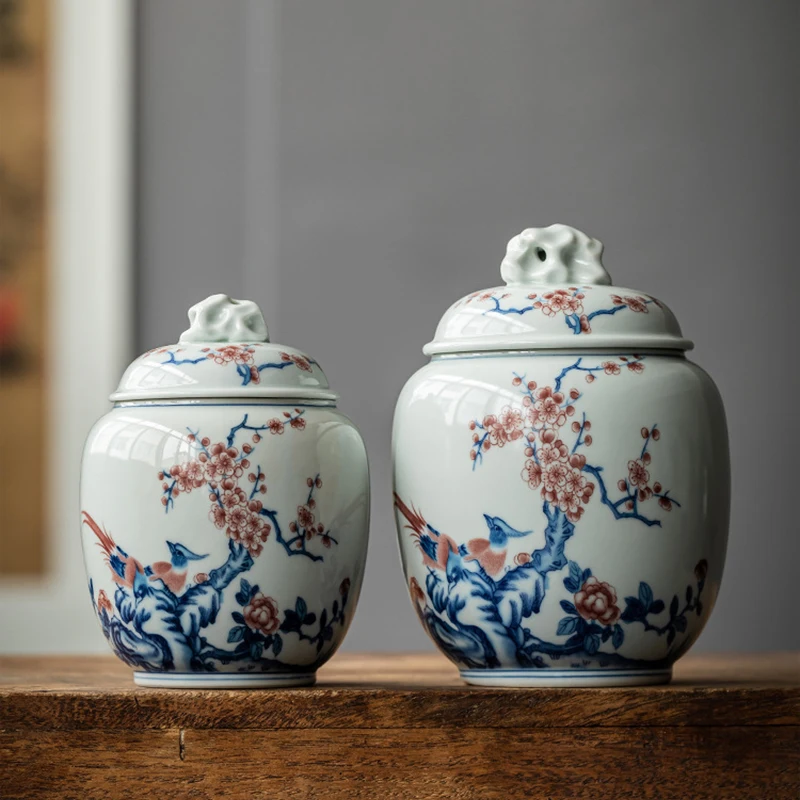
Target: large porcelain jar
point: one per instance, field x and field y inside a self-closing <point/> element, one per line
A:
<point x="561" y="477"/>
<point x="224" y="510"/>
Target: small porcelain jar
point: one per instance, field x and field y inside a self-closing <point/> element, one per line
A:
<point x="561" y="477"/>
<point x="224" y="510"/>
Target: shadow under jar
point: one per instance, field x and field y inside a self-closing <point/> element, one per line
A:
<point x="562" y="478"/>
<point x="224" y="510"/>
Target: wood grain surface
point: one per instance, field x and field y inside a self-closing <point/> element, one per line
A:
<point x="401" y="726"/>
<point x="24" y="132"/>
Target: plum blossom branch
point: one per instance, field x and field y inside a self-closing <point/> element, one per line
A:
<point x="596" y="472"/>
<point x="576" y="366"/>
<point x="304" y="527"/>
<point x="499" y="310"/>
<point x="478" y="445"/>
<point x="287" y="544"/>
<point x="243" y="357"/>
<point x="556" y="467"/>
<point x="274" y="426"/>
<point x="258" y="483"/>
<point x="605" y="311"/>
<point x="170" y="492"/>
<point x="246" y="374"/>
<point x="172" y="360"/>
<point x="219" y="467"/>
<point x="610" y="367"/>
<point x="567" y="302"/>
<point x="637" y="486"/>
<point x="581" y="430"/>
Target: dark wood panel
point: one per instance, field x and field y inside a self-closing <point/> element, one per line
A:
<point x="409" y="691"/>
<point x="733" y="762"/>
<point x="401" y="726"/>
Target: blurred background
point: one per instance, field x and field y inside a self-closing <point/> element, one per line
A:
<point x="356" y="166"/>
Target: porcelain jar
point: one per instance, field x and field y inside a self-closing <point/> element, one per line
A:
<point x="224" y="510"/>
<point x="561" y="477"/>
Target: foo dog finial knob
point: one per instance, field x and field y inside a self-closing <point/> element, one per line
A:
<point x="556" y="254"/>
<point x="219" y="318"/>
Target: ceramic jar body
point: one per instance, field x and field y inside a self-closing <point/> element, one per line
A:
<point x="562" y="518"/>
<point x="224" y="542"/>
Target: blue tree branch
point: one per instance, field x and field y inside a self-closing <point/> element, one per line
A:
<point x="606" y="500"/>
<point x="287" y="544"/>
<point x="498" y="310"/>
<point x="576" y="366"/>
<point x="173" y="360"/>
<point x="605" y="312"/>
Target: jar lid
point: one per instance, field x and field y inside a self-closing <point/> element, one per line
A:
<point x="226" y="352"/>
<point x="559" y="296"/>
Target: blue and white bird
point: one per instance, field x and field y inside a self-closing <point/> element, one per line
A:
<point x="173" y="572"/>
<point x="491" y="553"/>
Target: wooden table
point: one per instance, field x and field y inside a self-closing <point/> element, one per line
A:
<point x="400" y="726"/>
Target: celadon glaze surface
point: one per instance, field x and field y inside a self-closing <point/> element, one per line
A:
<point x="224" y="538"/>
<point x="562" y="513"/>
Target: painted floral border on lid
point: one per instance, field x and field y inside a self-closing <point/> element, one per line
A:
<point x="556" y="289"/>
<point x="225" y="352"/>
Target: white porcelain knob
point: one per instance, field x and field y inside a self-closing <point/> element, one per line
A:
<point x="220" y="318"/>
<point x="552" y="255"/>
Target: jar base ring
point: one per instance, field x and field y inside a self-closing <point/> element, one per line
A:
<point x="526" y="678"/>
<point x="223" y="680"/>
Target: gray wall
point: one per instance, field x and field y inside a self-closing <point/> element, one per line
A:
<point x="356" y="166"/>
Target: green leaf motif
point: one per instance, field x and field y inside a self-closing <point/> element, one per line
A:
<point x="645" y="594"/>
<point x="236" y="634"/>
<point x="567" y="626"/>
<point x="591" y="644"/>
<point x="673" y="606"/>
<point x="657" y="606"/>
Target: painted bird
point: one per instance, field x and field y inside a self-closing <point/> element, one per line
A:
<point x="146" y="631"/>
<point x="173" y="572"/>
<point x="124" y="568"/>
<point x="468" y="597"/>
<point x="436" y="547"/>
<point x="491" y="553"/>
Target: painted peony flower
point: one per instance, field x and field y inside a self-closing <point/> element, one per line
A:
<point x="261" y="614"/>
<point x="597" y="601"/>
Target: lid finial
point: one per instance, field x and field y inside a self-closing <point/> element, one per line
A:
<point x="556" y="254"/>
<point x="220" y="318"/>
